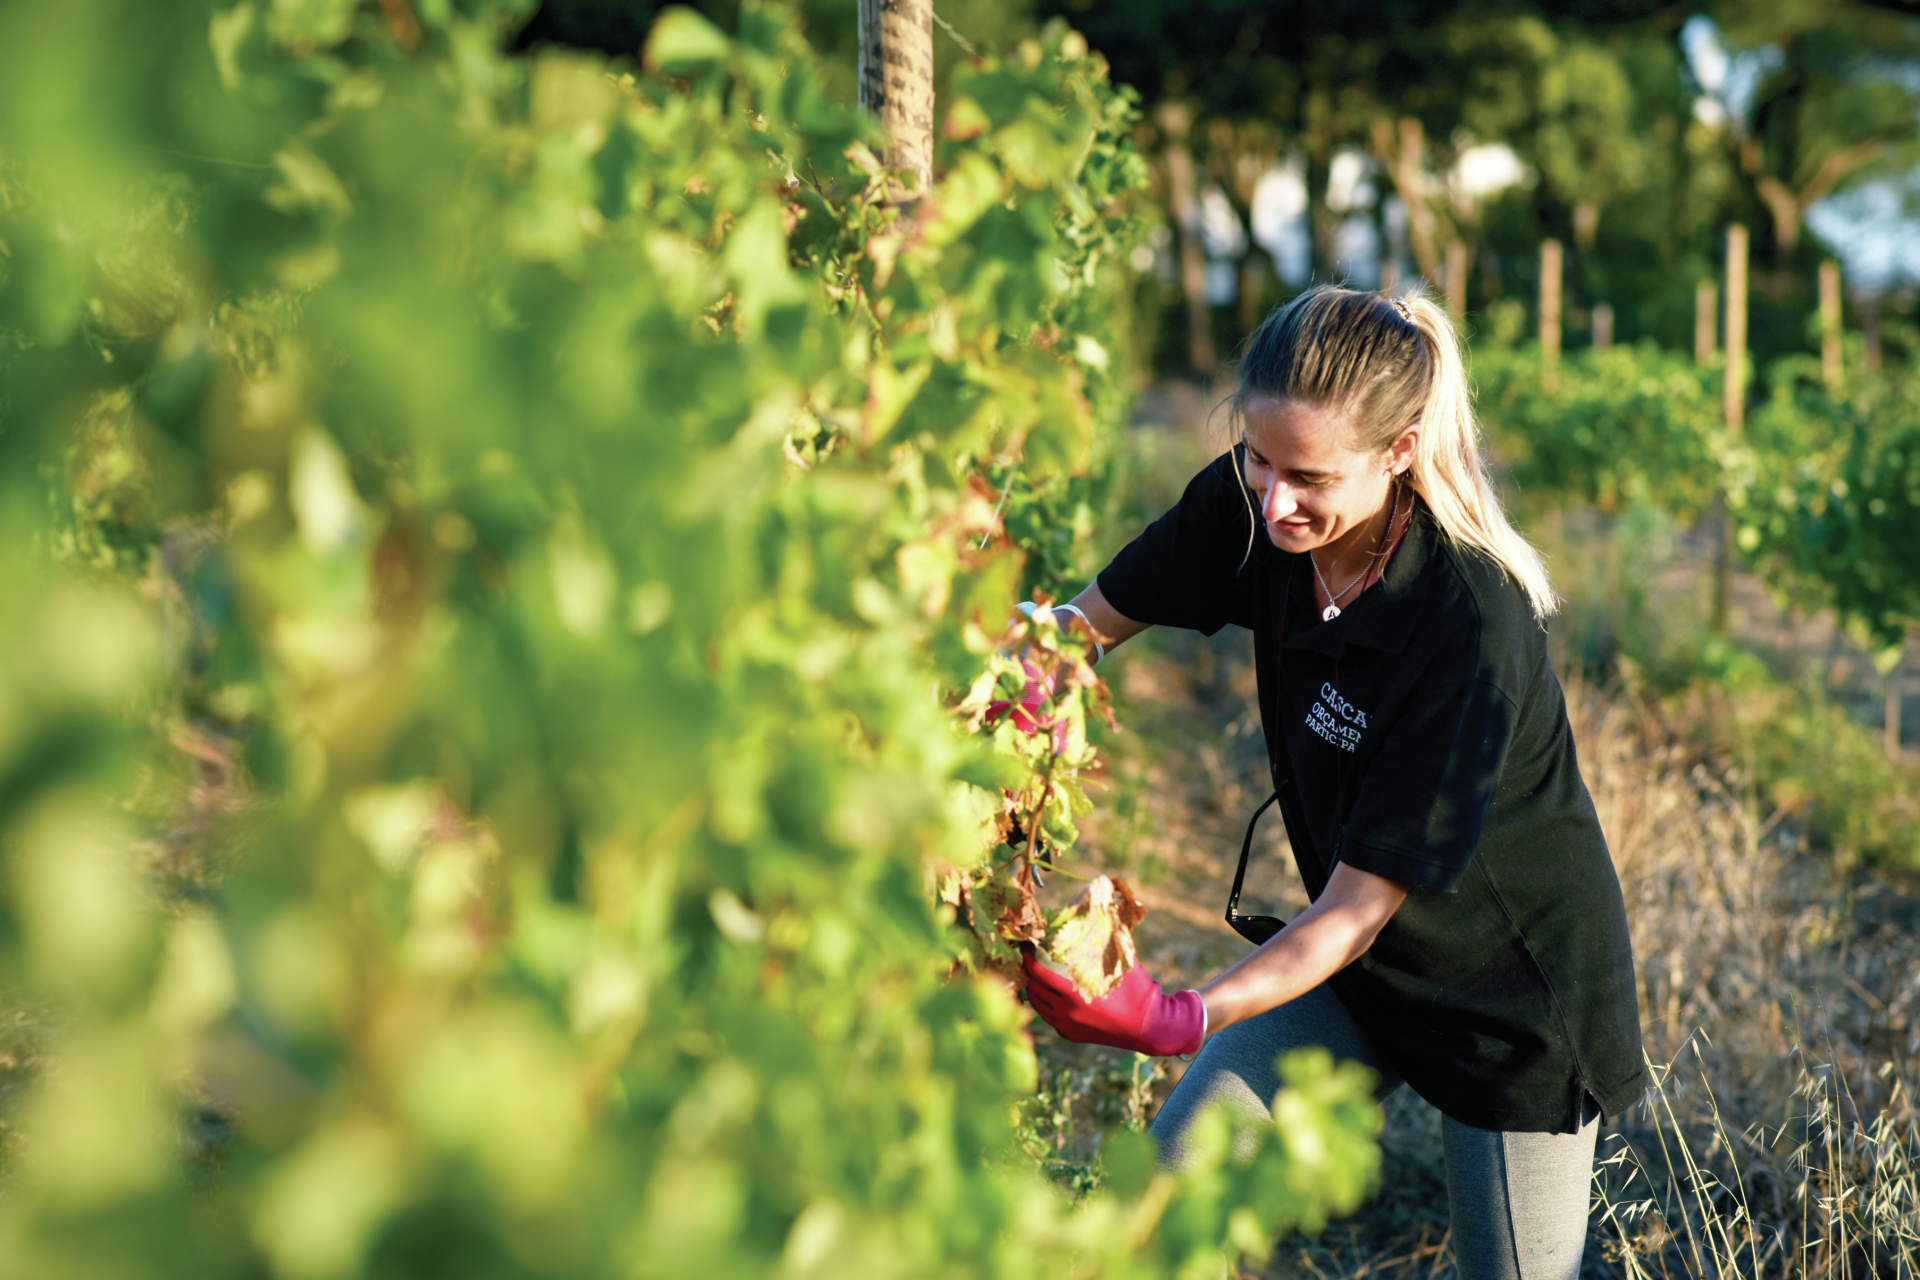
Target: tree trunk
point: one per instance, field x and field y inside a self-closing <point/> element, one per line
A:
<point x="1586" y="224"/>
<point x="1183" y="200"/>
<point x="1457" y="280"/>
<point x="1254" y="270"/>
<point x="1787" y="206"/>
<point x="896" y="84"/>
<point x="1323" y="224"/>
<point x="1784" y="207"/>
<point x="1403" y="151"/>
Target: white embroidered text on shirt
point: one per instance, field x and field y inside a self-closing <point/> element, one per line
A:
<point x="1336" y="719"/>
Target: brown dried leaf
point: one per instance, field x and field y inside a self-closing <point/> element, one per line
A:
<point x="1008" y="904"/>
<point x="1093" y="937"/>
<point x="998" y="913"/>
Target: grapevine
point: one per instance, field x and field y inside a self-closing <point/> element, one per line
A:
<point x="564" y="499"/>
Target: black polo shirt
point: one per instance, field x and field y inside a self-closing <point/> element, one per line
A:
<point x="1422" y="735"/>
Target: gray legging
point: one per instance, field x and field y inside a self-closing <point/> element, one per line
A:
<point x="1519" y="1200"/>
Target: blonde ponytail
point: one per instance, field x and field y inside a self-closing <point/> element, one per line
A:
<point x="1386" y="365"/>
<point x="1450" y="472"/>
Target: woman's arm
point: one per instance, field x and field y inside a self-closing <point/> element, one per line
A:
<point x="1110" y="627"/>
<point x="1327" y="937"/>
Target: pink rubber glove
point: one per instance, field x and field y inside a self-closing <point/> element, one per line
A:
<point x="1135" y="1015"/>
<point x="1026" y="712"/>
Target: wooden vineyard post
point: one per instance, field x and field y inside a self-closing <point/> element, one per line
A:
<point x="1457" y="279"/>
<point x="1893" y="716"/>
<point x="896" y="84"/>
<point x="1550" y="263"/>
<point x="1830" y="323"/>
<point x="1734" y="406"/>
<point x="1706" y="321"/>
<point x="1736" y="383"/>
<point x="1602" y="325"/>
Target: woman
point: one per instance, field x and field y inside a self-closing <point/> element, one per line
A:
<point x="1467" y="934"/>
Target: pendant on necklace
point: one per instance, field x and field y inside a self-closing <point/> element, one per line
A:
<point x="1329" y="613"/>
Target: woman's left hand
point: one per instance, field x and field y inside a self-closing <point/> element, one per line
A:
<point x="1029" y="712"/>
<point x="1135" y="1015"/>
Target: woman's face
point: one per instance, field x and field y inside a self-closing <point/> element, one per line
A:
<point x="1314" y="490"/>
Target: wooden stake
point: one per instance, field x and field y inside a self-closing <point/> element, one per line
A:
<point x="1735" y="408"/>
<point x="1736" y="384"/>
<point x="1457" y="279"/>
<point x="1893" y="716"/>
<point x="896" y="84"/>
<point x="1830" y="323"/>
<point x="1706" y="321"/>
<point x="1602" y="325"/>
<point x="1550" y="263"/>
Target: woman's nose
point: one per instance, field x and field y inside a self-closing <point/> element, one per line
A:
<point x="1279" y="503"/>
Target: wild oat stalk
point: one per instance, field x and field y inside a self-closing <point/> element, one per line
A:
<point x="1689" y="1213"/>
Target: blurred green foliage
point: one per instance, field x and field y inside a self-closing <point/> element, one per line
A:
<point x="965" y="29"/>
<point x="1827" y="489"/>
<point x="1814" y="762"/>
<point x="1629" y="424"/>
<point x="1823" y="483"/>
<point x="559" y="502"/>
<point x="1822" y="489"/>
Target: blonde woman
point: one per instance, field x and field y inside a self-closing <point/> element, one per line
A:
<point x="1467" y="934"/>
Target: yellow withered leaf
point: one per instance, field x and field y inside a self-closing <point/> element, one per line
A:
<point x="1092" y="938"/>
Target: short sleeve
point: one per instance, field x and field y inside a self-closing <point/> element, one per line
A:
<point x="1184" y="571"/>
<point x="1418" y="815"/>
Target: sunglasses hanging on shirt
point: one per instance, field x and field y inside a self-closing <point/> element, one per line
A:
<point x="1255" y="929"/>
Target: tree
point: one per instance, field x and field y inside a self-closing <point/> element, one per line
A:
<point x="1413" y="84"/>
<point x="1836" y="101"/>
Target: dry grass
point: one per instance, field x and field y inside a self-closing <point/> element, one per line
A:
<point x="1781" y="1004"/>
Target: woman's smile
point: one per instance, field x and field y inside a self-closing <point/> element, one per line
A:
<point x="1289" y="527"/>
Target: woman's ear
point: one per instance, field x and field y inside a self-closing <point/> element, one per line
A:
<point x="1400" y="452"/>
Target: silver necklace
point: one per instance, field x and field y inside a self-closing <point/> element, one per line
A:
<point x="1332" y="610"/>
